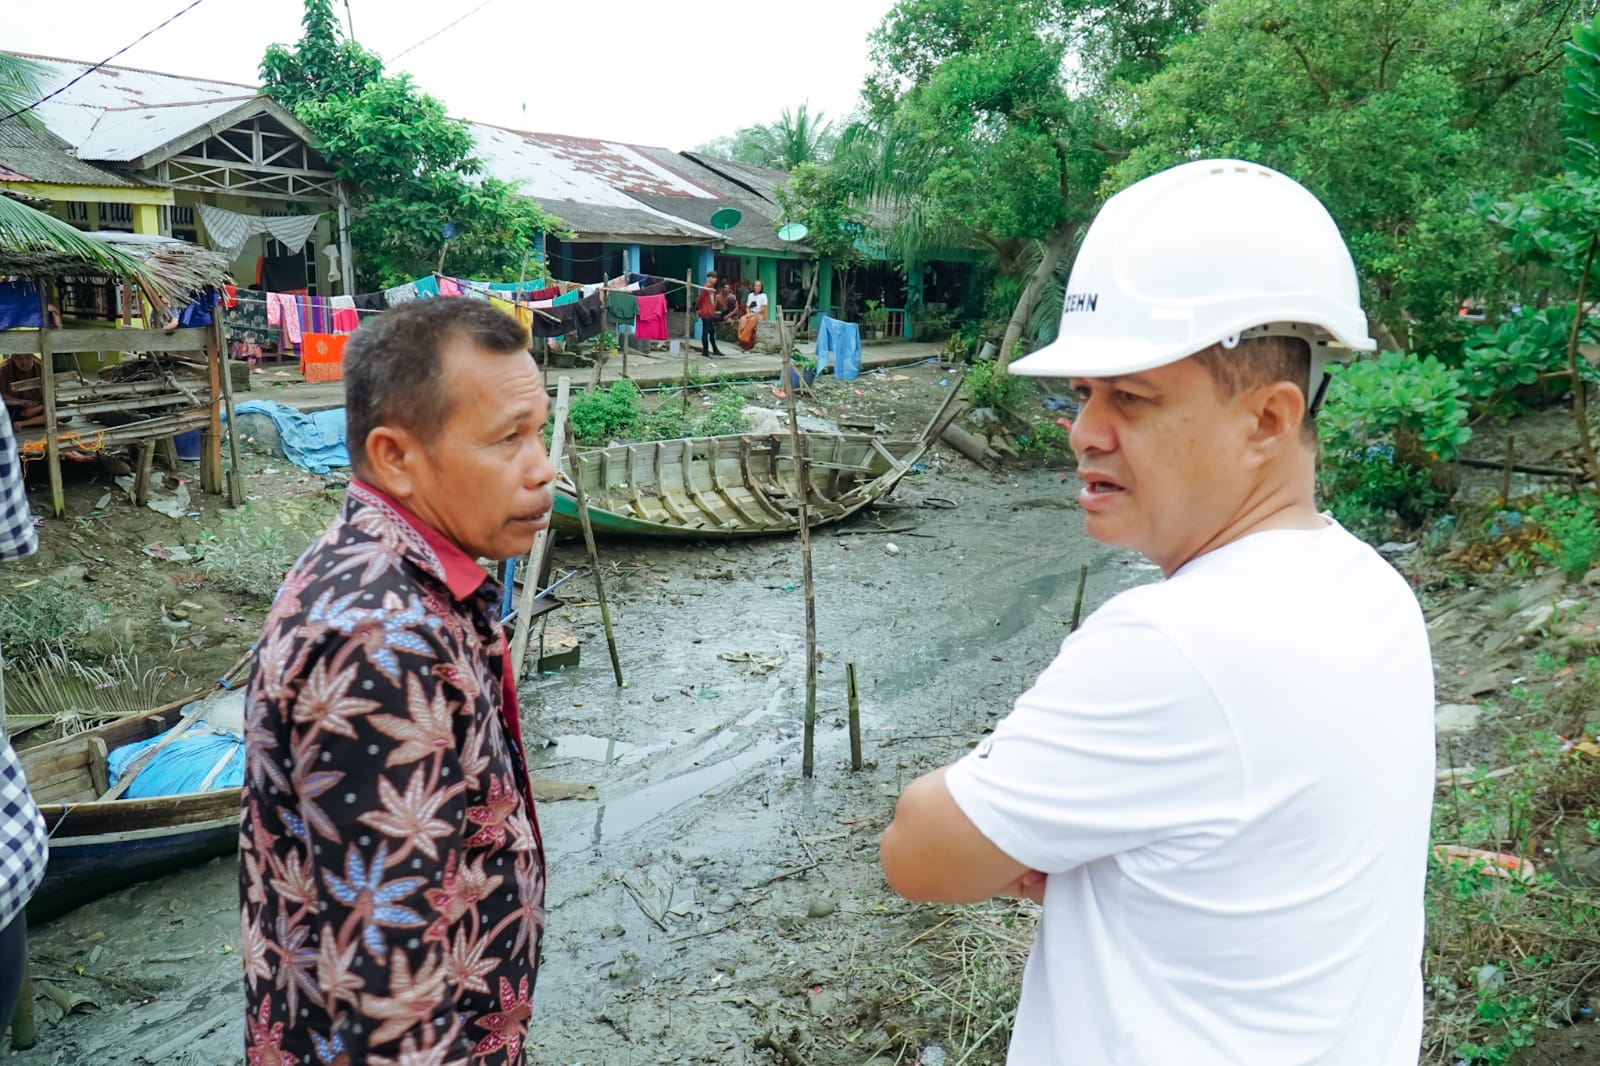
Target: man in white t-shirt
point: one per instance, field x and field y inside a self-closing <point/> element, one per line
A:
<point x="1220" y="788"/>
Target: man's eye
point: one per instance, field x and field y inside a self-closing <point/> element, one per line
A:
<point x="1128" y="397"/>
<point x="1082" y="392"/>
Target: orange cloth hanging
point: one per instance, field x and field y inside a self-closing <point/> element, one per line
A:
<point x="322" y="356"/>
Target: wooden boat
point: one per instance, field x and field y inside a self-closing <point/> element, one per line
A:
<point x="733" y="486"/>
<point x="99" y="846"/>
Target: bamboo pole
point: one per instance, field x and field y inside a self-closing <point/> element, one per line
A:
<point x="1077" y="601"/>
<point x="47" y="388"/>
<point x="235" y="475"/>
<point x="802" y="488"/>
<point x="853" y="695"/>
<point x="211" y="438"/>
<point x="686" y="346"/>
<point x="141" y="479"/>
<point x="594" y="565"/>
<point x="688" y="306"/>
<point x="530" y="579"/>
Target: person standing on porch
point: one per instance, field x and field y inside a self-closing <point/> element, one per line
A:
<point x="705" y="309"/>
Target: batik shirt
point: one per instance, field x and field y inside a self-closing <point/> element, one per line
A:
<point x="391" y="870"/>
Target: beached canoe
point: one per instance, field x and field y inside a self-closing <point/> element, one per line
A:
<point x="731" y="486"/>
<point x="99" y="846"/>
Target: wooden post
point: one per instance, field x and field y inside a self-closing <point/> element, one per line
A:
<point x="235" y="476"/>
<point x="686" y="377"/>
<point x="141" y="479"/>
<point x="530" y="579"/>
<point x="853" y="696"/>
<point x="802" y="487"/>
<point x="688" y="306"/>
<point x="1505" y="471"/>
<point x="594" y="565"/>
<point x="211" y="439"/>
<point x="1077" y="601"/>
<point x="47" y="388"/>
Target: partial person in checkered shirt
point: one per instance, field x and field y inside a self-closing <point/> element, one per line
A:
<point x="22" y="832"/>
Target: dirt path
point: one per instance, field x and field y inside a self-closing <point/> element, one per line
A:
<point x="709" y="897"/>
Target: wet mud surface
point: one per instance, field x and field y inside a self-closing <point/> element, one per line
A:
<point x="708" y="900"/>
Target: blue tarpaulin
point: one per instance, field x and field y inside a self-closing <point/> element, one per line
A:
<point x="314" y="441"/>
<point x="197" y="761"/>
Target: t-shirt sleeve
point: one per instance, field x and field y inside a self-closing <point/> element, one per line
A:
<point x="1120" y="744"/>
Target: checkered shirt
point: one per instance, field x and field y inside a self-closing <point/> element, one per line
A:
<point x="22" y="838"/>
<point x="17" y="537"/>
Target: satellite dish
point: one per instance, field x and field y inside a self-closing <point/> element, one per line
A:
<point x="726" y="218"/>
<point x="793" y="231"/>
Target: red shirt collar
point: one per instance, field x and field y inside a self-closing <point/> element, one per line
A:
<point x="462" y="574"/>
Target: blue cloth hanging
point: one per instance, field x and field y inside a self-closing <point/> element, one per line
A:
<point x="19" y="305"/>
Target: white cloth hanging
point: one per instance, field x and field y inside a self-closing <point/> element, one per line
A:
<point x="227" y="230"/>
<point x="330" y="252"/>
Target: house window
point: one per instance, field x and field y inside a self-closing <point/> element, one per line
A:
<point x="78" y="214"/>
<point x="290" y="269"/>
<point x="180" y="224"/>
<point x="117" y="217"/>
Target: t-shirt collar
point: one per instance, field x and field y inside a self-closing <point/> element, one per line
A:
<point x="460" y="572"/>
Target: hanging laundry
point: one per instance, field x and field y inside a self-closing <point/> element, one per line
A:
<point x="652" y="324"/>
<point x="552" y="323"/>
<point x="839" y="345"/>
<point x="198" y="311"/>
<point x="284" y="312"/>
<point x="227" y="231"/>
<point x="622" y="306"/>
<point x="19" y="305"/>
<point x="521" y="312"/>
<point x="638" y="279"/>
<point x="658" y="289"/>
<point x="587" y="313"/>
<point x="570" y="297"/>
<point x="548" y="292"/>
<point x="230" y="296"/>
<point x="322" y="358"/>
<point x="400" y="294"/>
<point x="315" y="314"/>
<point x="372" y="301"/>
<point x="448" y="286"/>
<point x="426" y="287"/>
<point x="345" y="319"/>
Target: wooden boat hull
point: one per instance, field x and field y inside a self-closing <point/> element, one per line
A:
<point x="98" y="847"/>
<point x="733" y="486"/>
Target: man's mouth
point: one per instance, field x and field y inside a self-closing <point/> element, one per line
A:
<point x="1097" y="484"/>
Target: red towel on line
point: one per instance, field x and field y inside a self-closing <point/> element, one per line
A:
<point x="652" y="323"/>
<point x="322" y="356"/>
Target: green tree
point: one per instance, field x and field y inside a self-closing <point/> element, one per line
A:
<point x="983" y="127"/>
<point x="798" y="136"/>
<point x="411" y="165"/>
<point x="1394" y="113"/>
<point x="820" y="198"/>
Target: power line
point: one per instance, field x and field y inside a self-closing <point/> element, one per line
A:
<point x="441" y="29"/>
<point x="23" y="110"/>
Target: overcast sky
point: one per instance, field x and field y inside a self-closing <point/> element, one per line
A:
<point x="667" y="74"/>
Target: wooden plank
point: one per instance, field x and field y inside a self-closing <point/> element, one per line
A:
<point x="69" y="341"/>
<point x="141" y="478"/>
<point x="99" y="765"/>
<point x="667" y="503"/>
<point x="699" y="500"/>
<point x="722" y="490"/>
<point x="47" y="381"/>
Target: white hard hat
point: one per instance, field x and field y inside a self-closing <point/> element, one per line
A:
<point x="1201" y="254"/>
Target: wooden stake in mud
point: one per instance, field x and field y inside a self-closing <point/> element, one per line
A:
<point x="686" y="346"/>
<point x="688" y="306"/>
<point x="594" y="564"/>
<point x="1077" y="601"/>
<point x="235" y="477"/>
<point x="1505" y="471"/>
<point x="530" y="577"/>
<point x="47" y="393"/>
<point x="802" y="493"/>
<point x="853" y="696"/>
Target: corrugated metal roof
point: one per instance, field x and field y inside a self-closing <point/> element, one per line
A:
<point x="126" y="133"/>
<point x="73" y="114"/>
<point x="35" y="154"/>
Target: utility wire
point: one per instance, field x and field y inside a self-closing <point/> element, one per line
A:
<point x="97" y="66"/>
<point x="441" y="29"/>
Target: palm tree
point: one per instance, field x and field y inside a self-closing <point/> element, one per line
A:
<point x="29" y="237"/>
<point x="798" y="136"/>
<point x="19" y="84"/>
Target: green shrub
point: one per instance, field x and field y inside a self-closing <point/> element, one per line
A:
<point x="990" y="386"/>
<point x="1571" y="531"/>
<point x="670" y="421"/>
<point x="1387" y="428"/>
<point x="37" y="620"/>
<point x="1521" y="362"/>
<point x="249" y="557"/>
<point x="601" y="416"/>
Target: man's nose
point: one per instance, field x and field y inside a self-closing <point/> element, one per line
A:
<point x="539" y="471"/>
<point x="1091" y="430"/>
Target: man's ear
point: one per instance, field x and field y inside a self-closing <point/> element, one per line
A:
<point x="392" y="454"/>
<point x="1278" y="410"/>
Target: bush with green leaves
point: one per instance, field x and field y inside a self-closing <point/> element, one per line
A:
<point x="989" y="385"/>
<point x="1387" y="429"/>
<point x="1571" y="541"/>
<point x="1521" y="362"/>
<point x="604" y="415"/>
<point x="723" y="415"/>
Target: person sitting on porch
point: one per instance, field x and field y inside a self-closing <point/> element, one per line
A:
<point x="756" y="302"/>
<point x="19" y="388"/>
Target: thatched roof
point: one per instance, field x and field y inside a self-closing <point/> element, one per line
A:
<point x="36" y="245"/>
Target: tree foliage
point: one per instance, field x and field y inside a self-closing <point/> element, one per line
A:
<point x="411" y="165"/>
<point x="1394" y="113"/>
<point x="796" y="137"/>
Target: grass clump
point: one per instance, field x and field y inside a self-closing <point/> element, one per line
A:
<point x="1571" y="532"/>
<point x="35" y="621"/>
<point x="248" y="556"/>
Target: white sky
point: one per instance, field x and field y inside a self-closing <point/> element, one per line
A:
<point x="651" y="72"/>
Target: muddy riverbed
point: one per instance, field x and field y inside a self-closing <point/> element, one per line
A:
<point x="707" y="904"/>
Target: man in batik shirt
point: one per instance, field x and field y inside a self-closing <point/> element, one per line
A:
<point x="391" y="870"/>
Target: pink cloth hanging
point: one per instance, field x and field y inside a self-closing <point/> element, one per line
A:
<point x="345" y="318"/>
<point x="449" y="287"/>
<point x="284" y="312"/>
<point x="652" y="322"/>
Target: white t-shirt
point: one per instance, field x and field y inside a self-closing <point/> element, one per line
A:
<point x="757" y="302"/>
<point x="1228" y="778"/>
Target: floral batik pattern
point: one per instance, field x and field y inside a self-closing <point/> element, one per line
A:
<point x="391" y="870"/>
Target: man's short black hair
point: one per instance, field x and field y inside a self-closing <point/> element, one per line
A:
<point x="393" y="365"/>
<point x="1262" y="361"/>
